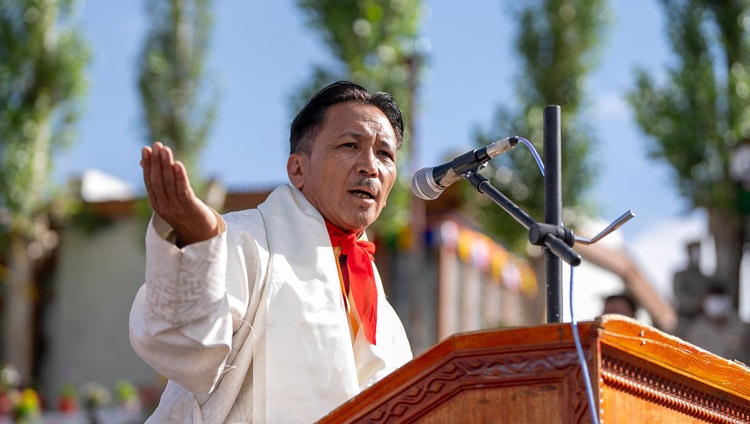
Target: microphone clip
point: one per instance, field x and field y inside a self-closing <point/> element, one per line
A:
<point x="539" y="231"/>
<point x="470" y="161"/>
<point x="477" y="159"/>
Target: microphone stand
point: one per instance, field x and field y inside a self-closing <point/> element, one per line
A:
<point x="557" y="240"/>
<point x="553" y="208"/>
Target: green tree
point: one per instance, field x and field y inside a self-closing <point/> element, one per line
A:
<point x="697" y="113"/>
<point x="42" y="63"/>
<point x="375" y="43"/>
<point x="176" y="109"/>
<point x="558" y="43"/>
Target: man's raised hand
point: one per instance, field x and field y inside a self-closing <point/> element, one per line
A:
<point x="172" y="197"/>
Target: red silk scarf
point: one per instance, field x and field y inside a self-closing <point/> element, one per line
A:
<point x="361" y="276"/>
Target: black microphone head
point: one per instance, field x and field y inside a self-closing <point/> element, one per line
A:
<point x="423" y="185"/>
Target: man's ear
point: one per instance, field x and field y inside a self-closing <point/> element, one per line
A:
<point x="294" y="167"/>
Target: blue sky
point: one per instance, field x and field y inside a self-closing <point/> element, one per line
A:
<point x="261" y="51"/>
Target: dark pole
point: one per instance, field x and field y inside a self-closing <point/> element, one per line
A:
<point x="553" y="207"/>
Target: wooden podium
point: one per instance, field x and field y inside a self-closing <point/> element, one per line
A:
<point x="532" y="375"/>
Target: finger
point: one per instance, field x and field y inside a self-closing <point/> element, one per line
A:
<point x="183" y="188"/>
<point x="147" y="164"/>
<point x="156" y="178"/>
<point x="146" y="158"/>
<point x="161" y="169"/>
<point x="167" y="174"/>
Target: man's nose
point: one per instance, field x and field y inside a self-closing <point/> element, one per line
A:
<point x="368" y="163"/>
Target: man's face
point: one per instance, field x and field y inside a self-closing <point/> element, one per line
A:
<point x="351" y="167"/>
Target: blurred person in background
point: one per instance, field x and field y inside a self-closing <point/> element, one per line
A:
<point x="690" y="284"/>
<point x="718" y="328"/>
<point x="622" y="304"/>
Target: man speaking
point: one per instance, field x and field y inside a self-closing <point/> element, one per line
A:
<point x="275" y="314"/>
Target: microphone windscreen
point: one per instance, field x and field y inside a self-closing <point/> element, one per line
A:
<point x="423" y="185"/>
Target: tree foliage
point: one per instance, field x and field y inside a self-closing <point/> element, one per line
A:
<point x="558" y="43"/>
<point x="373" y="42"/>
<point x="42" y="62"/>
<point x="697" y="113"/>
<point x="688" y="117"/>
<point x="177" y="109"/>
<point x="377" y="44"/>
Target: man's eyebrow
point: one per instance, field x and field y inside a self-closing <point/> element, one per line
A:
<point x="351" y="133"/>
<point x="383" y="137"/>
<point x="389" y="142"/>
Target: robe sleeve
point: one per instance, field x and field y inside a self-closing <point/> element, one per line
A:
<point x="184" y="315"/>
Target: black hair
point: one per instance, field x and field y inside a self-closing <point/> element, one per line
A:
<point x="626" y="297"/>
<point x="306" y="124"/>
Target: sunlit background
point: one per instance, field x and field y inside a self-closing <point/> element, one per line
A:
<point x="262" y="51"/>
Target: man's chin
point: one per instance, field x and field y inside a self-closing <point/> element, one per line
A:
<point x="360" y="222"/>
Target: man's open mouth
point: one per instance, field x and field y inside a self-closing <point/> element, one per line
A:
<point x="362" y="194"/>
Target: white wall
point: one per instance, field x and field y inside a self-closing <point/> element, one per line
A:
<point x="87" y="326"/>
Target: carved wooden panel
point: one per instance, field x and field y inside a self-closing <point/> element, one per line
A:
<point x="666" y="397"/>
<point x="495" y="385"/>
<point x="479" y="380"/>
<point x="532" y="375"/>
<point x="679" y="382"/>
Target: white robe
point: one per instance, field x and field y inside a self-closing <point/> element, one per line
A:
<point x="251" y="325"/>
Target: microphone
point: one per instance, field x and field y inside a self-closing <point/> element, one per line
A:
<point x="428" y="183"/>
